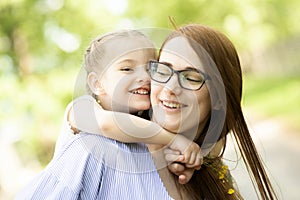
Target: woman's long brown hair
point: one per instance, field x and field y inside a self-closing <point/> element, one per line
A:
<point x="205" y="183"/>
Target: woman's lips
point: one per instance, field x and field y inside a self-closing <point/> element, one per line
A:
<point x="172" y="105"/>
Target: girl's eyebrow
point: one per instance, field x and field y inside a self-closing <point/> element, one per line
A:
<point x="126" y="60"/>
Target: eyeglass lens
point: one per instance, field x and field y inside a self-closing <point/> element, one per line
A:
<point x="189" y="79"/>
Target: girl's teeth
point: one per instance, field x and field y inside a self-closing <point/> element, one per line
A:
<point x="171" y="105"/>
<point x="140" y="92"/>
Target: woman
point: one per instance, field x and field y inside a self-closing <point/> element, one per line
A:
<point x="209" y="80"/>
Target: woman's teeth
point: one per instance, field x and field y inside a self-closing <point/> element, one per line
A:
<point x="140" y="91"/>
<point x="171" y="105"/>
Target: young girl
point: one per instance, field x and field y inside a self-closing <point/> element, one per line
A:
<point x="88" y="166"/>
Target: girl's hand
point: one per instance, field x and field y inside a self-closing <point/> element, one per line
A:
<point x="185" y="151"/>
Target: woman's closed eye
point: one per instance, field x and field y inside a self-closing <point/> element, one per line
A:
<point x="163" y="73"/>
<point x="192" y="77"/>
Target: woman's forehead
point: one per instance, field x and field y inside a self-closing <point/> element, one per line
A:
<point x="179" y="49"/>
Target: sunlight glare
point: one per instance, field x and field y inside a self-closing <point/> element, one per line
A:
<point x="65" y="40"/>
<point x="116" y="7"/>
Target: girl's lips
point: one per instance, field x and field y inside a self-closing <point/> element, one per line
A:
<point x="141" y="91"/>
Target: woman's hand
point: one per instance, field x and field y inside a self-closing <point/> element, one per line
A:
<point x="184" y="174"/>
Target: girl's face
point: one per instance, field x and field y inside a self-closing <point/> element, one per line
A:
<point x="175" y="108"/>
<point x="126" y="82"/>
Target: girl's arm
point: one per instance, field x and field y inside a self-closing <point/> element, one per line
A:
<point x="88" y="116"/>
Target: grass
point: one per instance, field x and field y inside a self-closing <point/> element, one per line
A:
<point x="277" y="97"/>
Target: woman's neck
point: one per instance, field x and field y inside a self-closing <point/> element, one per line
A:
<point x="195" y="132"/>
<point x="167" y="178"/>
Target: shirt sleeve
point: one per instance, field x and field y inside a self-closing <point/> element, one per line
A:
<point x="66" y="133"/>
<point x="73" y="174"/>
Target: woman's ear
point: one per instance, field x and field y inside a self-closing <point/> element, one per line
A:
<point x="94" y="84"/>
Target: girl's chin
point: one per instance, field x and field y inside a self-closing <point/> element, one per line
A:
<point x="138" y="106"/>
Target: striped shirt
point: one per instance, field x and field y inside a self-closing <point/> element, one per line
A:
<point x="94" y="167"/>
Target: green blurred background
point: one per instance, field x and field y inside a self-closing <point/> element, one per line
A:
<point x="42" y="44"/>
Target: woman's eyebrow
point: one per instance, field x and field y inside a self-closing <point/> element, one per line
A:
<point x="166" y="63"/>
<point x="191" y="68"/>
<point x="186" y="67"/>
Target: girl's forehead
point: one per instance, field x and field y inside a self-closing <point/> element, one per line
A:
<point x="137" y="55"/>
<point x="120" y="46"/>
<point x="117" y="47"/>
<point x="128" y="43"/>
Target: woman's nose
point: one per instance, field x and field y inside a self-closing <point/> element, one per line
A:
<point x="173" y="85"/>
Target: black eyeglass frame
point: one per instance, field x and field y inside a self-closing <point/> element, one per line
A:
<point x="205" y="76"/>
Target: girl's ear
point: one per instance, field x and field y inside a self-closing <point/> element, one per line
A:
<point x="94" y="84"/>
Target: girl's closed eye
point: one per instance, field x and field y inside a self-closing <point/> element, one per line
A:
<point x="127" y="69"/>
<point x="126" y="65"/>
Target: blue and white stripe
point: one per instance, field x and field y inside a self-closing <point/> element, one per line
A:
<point x="94" y="167"/>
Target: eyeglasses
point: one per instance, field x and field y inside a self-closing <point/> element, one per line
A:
<point x="190" y="79"/>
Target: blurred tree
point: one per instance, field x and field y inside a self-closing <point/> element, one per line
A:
<point x="271" y="19"/>
<point x="39" y="35"/>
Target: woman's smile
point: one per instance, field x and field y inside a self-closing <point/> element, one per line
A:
<point x="171" y="105"/>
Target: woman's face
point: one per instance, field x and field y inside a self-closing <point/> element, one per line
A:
<point x="175" y="108"/>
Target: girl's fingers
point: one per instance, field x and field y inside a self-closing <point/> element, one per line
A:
<point x="192" y="159"/>
<point x="197" y="164"/>
<point x="174" y="158"/>
<point x="170" y="151"/>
